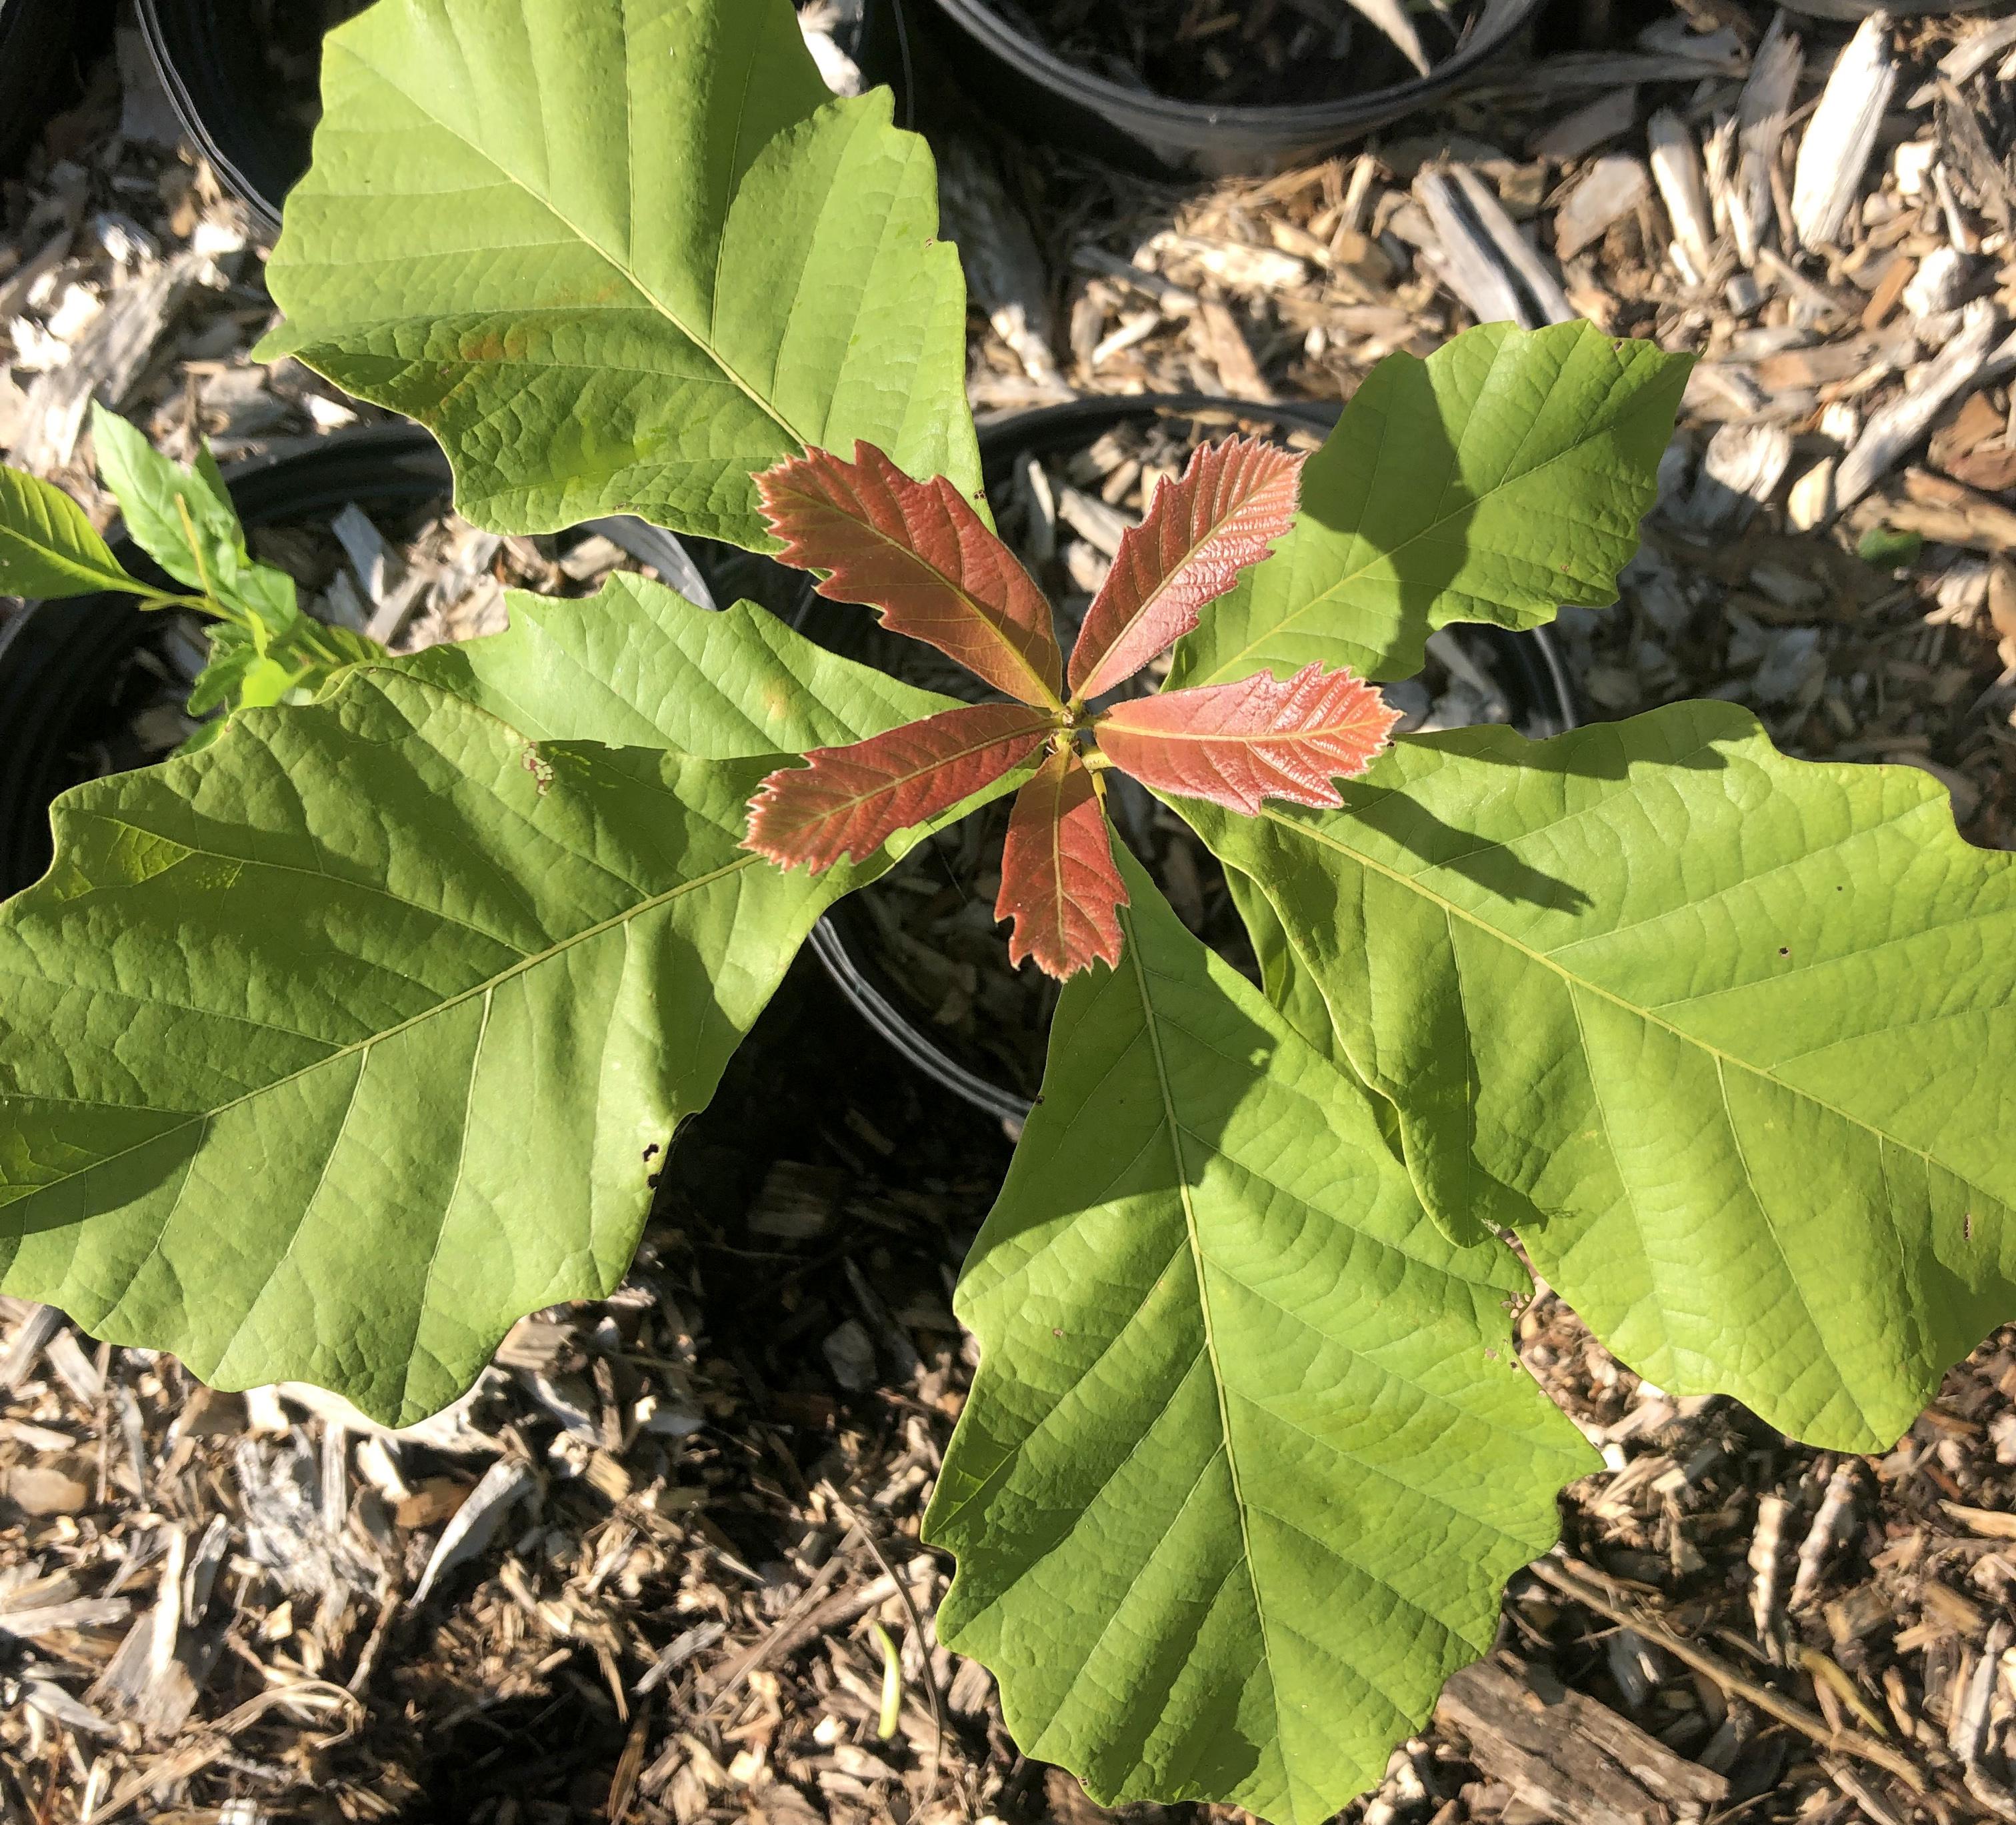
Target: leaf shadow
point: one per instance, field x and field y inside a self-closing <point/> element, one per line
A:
<point x="1602" y="751"/>
<point x="1352" y="484"/>
<point x="1489" y="865"/>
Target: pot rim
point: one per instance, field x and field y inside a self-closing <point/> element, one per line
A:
<point x="1496" y="23"/>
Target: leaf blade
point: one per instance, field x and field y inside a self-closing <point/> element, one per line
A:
<point x="184" y="520"/>
<point x="1233" y="501"/>
<point x="364" y="947"/>
<point x="49" y="549"/>
<point x="848" y="802"/>
<point x="1767" y="999"/>
<point x="1058" y="881"/>
<point x="1172" y="1554"/>
<point x="918" y="554"/>
<point x="600" y="311"/>
<point x="1502" y="477"/>
<point x="1238" y="744"/>
<point x="637" y="665"/>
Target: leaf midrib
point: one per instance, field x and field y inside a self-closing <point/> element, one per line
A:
<point x="1170" y="578"/>
<point x="1151" y="1021"/>
<point x="488" y="986"/>
<point x="1451" y="909"/>
<point x="704" y="343"/>
<point x="1231" y="737"/>
<point x="893" y="784"/>
<point x="956" y="587"/>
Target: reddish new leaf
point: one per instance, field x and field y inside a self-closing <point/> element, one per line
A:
<point x="917" y="552"/>
<point x="1232" y="501"/>
<point x="1058" y="881"/>
<point x="1238" y="743"/>
<point x="850" y="801"/>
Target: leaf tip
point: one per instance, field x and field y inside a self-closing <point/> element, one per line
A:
<point x="1059" y="885"/>
<point x="774" y="832"/>
<point x="1235" y="500"/>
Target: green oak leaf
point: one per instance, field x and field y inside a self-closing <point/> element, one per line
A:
<point x="1741" y="1025"/>
<point x="328" y="1052"/>
<point x="47" y="548"/>
<point x="619" y="254"/>
<point x="637" y="664"/>
<point x="1501" y="477"/>
<point x="1249" y="1455"/>
<point x="184" y="520"/>
<point x="1292" y="991"/>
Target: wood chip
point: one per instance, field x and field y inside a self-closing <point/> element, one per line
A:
<point x="505" y="1485"/>
<point x="1990" y="1522"/>
<point x="30" y="1336"/>
<point x="1583" y="130"/>
<point x="1760" y="112"/>
<point x="1611" y="188"/>
<point x="106" y="362"/>
<point x="1841" y="134"/>
<point x="1892" y="431"/>
<point x="1676" y="168"/>
<point x="1572" y="1759"/>
<point x="1229" y="355"/>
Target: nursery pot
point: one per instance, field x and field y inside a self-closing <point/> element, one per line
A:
<point x="65" y="666"/>
<point x="38" y="39"/>
<point x="1528" y="665"/>
<point x="1023" y="84"/>
<point x="212" y="57"/>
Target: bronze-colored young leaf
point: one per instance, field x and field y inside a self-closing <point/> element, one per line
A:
<point x="1261" y="738"/>
<point x="1235" y="500"/>
<point x="850" y="801"/>
<point x="916" y="552"/>
<point x="1058" y="881"/>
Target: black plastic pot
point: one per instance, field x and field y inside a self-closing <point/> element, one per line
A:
<point x="1026" y="87"/>
<point x="41" y="41"/>
<point x="67" y="668"/>
<point x="213" y="64"/>
<point x="1527" y="667"/>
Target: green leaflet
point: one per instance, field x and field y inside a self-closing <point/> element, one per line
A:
<point x="327" y="1053"/>
<point x="47" y="548"/>
<point x="1249" y="1455"/>
<point x="263" y="650"/>
<point x="184" y="520"/>
<point x="637" y="664"/>
<point x="1739" y="1025"/>
<point x="618" y="254"/>
<point x="1504" y="476"/>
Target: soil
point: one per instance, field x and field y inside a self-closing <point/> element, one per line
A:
<point x="1252" y="53"/>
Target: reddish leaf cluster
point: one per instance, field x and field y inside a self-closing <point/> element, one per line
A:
<point x="918" y="553"/>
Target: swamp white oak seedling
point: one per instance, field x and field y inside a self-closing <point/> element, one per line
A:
<point x="328" y="1051"/>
